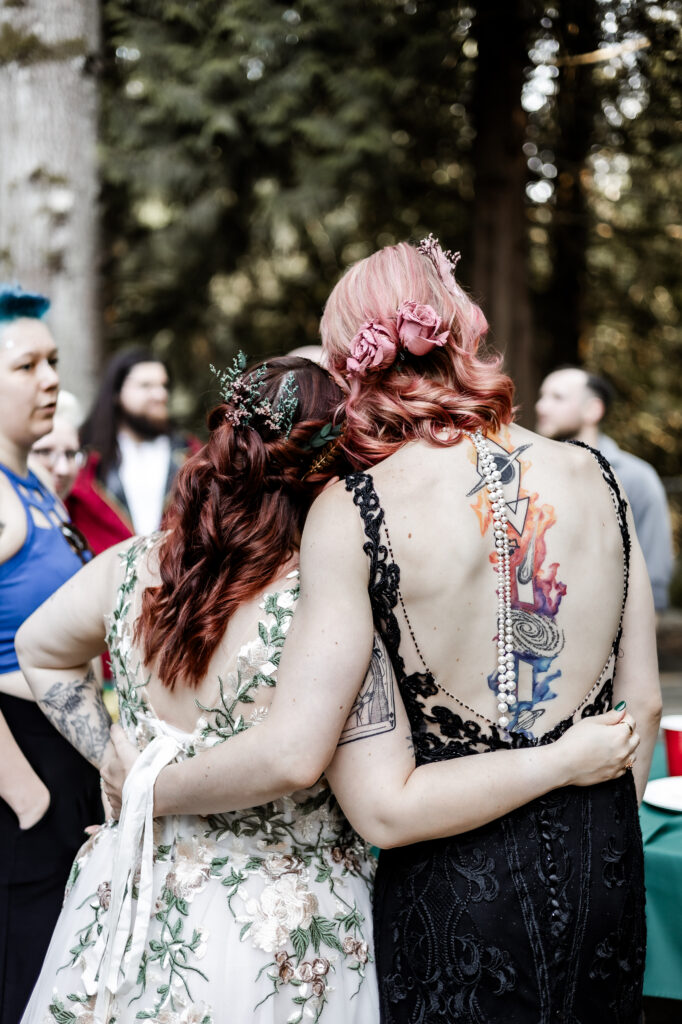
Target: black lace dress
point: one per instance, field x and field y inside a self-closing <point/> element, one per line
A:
<point x="537" y="917"/>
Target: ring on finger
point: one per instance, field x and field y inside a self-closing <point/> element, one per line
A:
<point x="629" y="727"/>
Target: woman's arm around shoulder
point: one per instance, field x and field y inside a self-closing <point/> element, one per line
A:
<point x="323" y="663"/>
<point x="391" y="802"/>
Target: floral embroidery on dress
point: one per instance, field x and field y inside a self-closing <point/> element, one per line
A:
<point x="287" y="883"/>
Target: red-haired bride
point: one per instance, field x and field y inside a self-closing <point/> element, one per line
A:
<point x="261" y="912"/>
<point x="261" y="915"/>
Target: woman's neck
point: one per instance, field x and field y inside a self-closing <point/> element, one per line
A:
<point x="286" y="567"/>
<point x="13" y="456"/>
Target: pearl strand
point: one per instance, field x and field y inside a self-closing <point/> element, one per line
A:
<point x="506" y="664"/>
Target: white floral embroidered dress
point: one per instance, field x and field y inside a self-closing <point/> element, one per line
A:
<point x="262" y="915"/>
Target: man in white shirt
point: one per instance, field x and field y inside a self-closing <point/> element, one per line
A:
<point x="134" y="454"/>
<point x="571" y="405"/>
<point x="144" y="444"/>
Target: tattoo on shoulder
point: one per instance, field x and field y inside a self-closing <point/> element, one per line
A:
<point x="77" y="711"/>
<point x="374" y="709"/>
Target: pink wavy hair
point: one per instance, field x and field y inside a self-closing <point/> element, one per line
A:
<point x="452" y="386"/>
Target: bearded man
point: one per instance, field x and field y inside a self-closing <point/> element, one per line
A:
<point x="133" y="452"/>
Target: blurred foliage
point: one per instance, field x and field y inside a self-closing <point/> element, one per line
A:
<point x="629" y="290"/>
<point x="634" y="258"/>
<point x="251" y="150"/>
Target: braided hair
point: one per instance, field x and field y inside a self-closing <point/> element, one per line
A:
<point x="237" y="514"/>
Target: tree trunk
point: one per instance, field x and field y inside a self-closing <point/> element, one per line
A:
<point x="563" y="303"/>
<point x="48" y="174"/>
<point x="500" y="274"/>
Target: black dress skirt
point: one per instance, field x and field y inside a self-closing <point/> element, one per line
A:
<point x="535" y="918"/>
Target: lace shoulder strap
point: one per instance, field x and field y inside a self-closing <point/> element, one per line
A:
<point x="129" y="559"/>
<point x="119" y="633"/>
<point x="621" y="507"/>
<point x="384" y="574"/>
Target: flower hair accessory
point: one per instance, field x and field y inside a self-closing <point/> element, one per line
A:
<point x="243" y="391"/>
<point x="373" y="347"/>
<point x="417" y="330"/>
<point x="444" y="260"/>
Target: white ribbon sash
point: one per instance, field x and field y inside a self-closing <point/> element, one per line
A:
<point x="105" y="971"/>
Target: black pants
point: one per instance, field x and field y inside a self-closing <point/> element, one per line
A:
<point x="35" y="863"/>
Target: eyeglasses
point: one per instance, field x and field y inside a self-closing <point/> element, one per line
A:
<point x="51" y="456"/>
<point x="76" y="541"/>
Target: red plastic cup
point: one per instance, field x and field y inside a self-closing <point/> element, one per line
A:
<point x="672" y="732"/>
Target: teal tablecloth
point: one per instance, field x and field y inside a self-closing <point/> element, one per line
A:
<point x="662" y="834"/>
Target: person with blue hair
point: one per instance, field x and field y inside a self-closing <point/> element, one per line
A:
<point x="48" y="792"/>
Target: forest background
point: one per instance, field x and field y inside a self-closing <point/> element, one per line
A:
<point x="195" y="176"/>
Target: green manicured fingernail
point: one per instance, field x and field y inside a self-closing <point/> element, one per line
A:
<point x="620" y="705"/>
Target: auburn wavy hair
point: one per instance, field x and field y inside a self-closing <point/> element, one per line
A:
<point x="413" y="399"/>
<point x="238" y="510"/>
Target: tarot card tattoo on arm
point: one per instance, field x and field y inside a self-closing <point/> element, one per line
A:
<point x="373" y="711"/>
<point x="77" y="711"/>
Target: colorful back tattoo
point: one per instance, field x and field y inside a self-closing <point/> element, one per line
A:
<point x="536" y="591"/>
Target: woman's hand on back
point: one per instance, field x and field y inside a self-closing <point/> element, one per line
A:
<point x="597" y="749"/>
<point x="119" y="758"/>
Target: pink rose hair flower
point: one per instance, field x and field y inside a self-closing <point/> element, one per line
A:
<point x="371" y="349"/>
<point x="376" y="345"/>
<point x="418" y="328"/>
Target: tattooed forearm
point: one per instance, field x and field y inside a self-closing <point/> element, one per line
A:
<point x="77" y="711"/>
<point x="374" y="709"/>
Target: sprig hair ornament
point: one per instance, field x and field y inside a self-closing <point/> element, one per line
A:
<point x="444" y="260"/>
<point x="243" y="390"/>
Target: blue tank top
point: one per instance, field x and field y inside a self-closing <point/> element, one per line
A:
<point x="40" y="566"/>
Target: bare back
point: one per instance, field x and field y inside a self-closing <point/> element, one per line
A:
<point x="567" y="569"/>
<point x="183" y="706"/>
